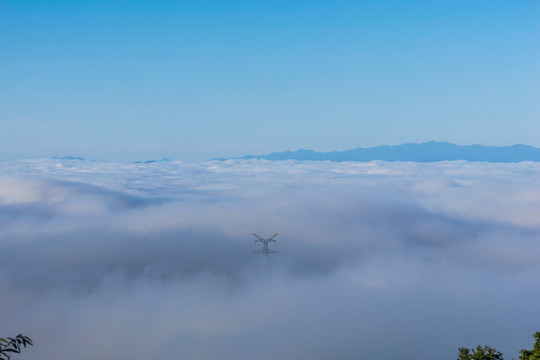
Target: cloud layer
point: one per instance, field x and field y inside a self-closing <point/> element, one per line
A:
<point x="377" y="260"/>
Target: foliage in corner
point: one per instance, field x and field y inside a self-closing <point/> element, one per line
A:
<point x="533" y="354"/>
<point x="10" y="346"/>
<point x="480" y="353"/>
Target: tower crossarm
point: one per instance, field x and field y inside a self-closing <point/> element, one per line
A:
<point x="272" y="238"/>
<point x="258" y="238"/>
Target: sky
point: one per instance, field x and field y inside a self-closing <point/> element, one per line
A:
<point x="376" y="260"/>
<point x="195" y="80"/>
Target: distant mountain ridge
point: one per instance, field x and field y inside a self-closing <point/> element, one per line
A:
<point x="152" y="161"/>
<point x="68" y="158"/>
<point x="424" y="152"/>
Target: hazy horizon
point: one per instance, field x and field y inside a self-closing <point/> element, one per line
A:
<point x="75" y="156"/>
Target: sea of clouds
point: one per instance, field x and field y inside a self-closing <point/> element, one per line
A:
<point x="376" y="260"/>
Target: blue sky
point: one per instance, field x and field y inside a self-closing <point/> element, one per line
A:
<point x="130" y="80"/>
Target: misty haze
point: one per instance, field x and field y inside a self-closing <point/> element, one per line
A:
<point x="376" y="260"/>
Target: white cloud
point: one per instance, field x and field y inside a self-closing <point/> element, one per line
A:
<point x="377" y="260"/>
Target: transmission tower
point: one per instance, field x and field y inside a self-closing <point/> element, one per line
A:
<point x="265" y="242"/>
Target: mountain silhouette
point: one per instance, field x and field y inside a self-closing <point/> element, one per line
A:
<point x="424" y="152"/>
